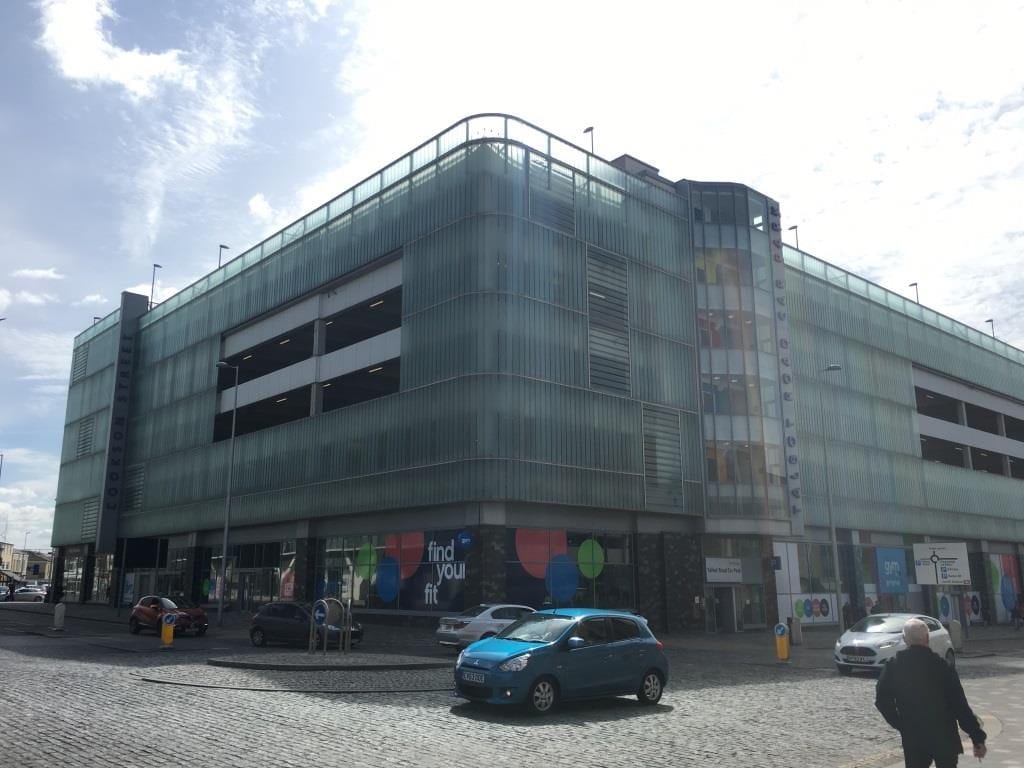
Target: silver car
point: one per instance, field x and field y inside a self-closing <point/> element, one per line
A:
<point x="29" y="595"/>
<point x="874" y="640"/>
<point x="484" y="620"/>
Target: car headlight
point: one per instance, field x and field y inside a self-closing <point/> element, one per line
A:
<point x="458" y="661"/>
<point x="516" y="664"/>
<point x="889" y="644"/>
<point x="839" y="643"/>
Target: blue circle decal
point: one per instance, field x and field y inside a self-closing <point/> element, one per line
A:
<point x="389" y="578"/>
<point x="944" y="607"/>
<point x="1008" y="593"/>
<point x="562" y="578"/>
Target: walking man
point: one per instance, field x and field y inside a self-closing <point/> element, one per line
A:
<point x="920" y="696"/>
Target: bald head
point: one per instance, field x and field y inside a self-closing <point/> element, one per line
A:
<point x="915" y="632"/>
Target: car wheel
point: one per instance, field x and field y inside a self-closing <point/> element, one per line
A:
<point x="259" y="639"/>
<point x="951" y="658"/>
<point x="844" y="670"/>
<point x="543" y="696"/>
<point x="133" y="626"/>
<point x="651" y="687"/>
<point x="38" y="600"/>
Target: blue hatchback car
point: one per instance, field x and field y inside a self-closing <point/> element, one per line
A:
<point x="564" y="654"/>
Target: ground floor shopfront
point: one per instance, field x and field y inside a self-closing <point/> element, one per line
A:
<point x="680" y="580"/>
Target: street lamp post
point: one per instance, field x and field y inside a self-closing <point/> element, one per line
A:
<point x="152" y="285"/>
<point x="917" y="296"/>
<point x="590" y="129"/>
<point x="227" y="503"/>
<point x="795" y="229"/>
<point x="828" y="502"/>
<point x="220" y="253"/>
<point x="992" y="323"/>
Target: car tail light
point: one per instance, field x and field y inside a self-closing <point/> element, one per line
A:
<point x="660" y="645"/>
<point x="460" y="625"/>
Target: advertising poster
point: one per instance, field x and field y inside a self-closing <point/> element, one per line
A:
<point x="1004" y="576"/>
<point x="892" y="570"/>
<point x="815" y="608"/>
<point x="972" y="607"/>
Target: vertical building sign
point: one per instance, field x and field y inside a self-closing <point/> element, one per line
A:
<point x="132" y="307"/>
<point x="794" y="496"/>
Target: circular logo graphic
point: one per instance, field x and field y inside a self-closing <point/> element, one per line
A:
<point x="366" y="561"/>
<point x="562" y="578"/>
<point x="535" y="548"/>
<point x="407" y="549"/>
<point x="944" y="606"/>
<point x="388" y="579"/>
<point x="590" y="558"/>
<point x="464" y="541"/>
<point x="808" y="610"/>
<point x="798" y="608"/>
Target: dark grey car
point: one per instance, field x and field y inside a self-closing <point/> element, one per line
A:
<point x="288" y="623"/>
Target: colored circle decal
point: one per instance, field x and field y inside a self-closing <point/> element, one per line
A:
<point x="944" y="607"/>
<point x="808" y="608"/>
<point x="535" y="548"/>
<point x="388" y="579"/>
<point x="1008" y="592"/>
<point x="825" y="607"/>
<point x="590" y="558"/>
<point x="816" y="607"/>
<point x="562" y="578"/>
<point x="407" y="549"/>
<point x="366" y="561"/>
<point x="798" y="608"/>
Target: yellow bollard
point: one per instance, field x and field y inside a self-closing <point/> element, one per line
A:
<point x="167" y="630"/>
<point x="781" y="642"/>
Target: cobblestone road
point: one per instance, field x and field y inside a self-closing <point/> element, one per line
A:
<point x="86" y="701"/>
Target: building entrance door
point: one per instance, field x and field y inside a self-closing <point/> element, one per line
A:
<point x="722" y="613"/>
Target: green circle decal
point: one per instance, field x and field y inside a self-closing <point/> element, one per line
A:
<point x="590" y="559"/>
<point x="366" y="561"/>
<point x="799" y="606"/>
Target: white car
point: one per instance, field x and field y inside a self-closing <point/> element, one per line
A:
<point x="874" y="640"/>
<point x="478" y="622"/>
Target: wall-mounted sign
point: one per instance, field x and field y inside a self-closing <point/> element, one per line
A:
<point x="723" y="569"/>
<point x="794" y="497"/>
<point x="892" y="570"/>
<point x="941" y="563"/>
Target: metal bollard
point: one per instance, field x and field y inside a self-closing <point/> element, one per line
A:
<point x="58" y="617"/>
<point x="781" y="642"/>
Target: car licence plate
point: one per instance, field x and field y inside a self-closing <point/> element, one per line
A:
<point x="855" y="660"/>
<point x="472" y="677"/>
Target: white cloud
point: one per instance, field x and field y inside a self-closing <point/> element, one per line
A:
<point x="92" y="300"/>
<point x="261" y="209"/>
<point x="36" y="355"/>
<point x="74" y="35"/>
<point x="27" y="497"/>
<point x="35" y="299"/>
<point x="5" y="299"/>
<point x="50" y="273"/>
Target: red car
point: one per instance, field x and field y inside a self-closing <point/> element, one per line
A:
<point x="149" y="613"/>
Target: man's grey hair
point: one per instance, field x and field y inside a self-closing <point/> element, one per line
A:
<point x="915" y="632"/>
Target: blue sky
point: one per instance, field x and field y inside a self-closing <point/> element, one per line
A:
<point x="141" y="132"/>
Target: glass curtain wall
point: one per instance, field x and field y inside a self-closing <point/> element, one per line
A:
<point x="738" y="366"/>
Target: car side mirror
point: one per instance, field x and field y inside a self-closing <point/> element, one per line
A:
<point x="575" y="642"/>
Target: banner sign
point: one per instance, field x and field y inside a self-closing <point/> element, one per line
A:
<point x="723" y="569"/>
<point x="892" y="570"/>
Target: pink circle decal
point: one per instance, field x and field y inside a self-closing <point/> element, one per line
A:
<point x="406" y="549"/>
<point x="535" y="547"/>
<point x="816" y="607"/>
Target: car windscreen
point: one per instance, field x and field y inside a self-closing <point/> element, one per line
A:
<point x="537" y="628"/>
<point x="881" y="624"/>
<point x="169" y="605"/>
<point x="476" y="610"/>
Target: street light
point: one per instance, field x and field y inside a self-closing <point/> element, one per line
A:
<point x="831" y="367"/>
<point x="25" y="548"/>
<point x="795" y="229"/>
<point x="992" y="323"/>
<point x="152" y="285"/>
<point x="590" y="129"/>
<point x="227" y="503"/>
<point x="220" y="253"/>
<point x="917" y="296"/>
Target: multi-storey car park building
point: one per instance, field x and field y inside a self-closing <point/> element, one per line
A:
<point x="503" y="368"/>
